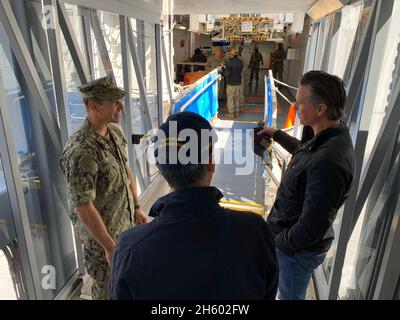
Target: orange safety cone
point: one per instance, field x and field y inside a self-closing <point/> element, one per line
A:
<point x="291" y="117"/>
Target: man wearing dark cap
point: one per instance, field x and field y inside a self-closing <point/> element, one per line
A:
<point x="194" y="248"/>
<point x="101" y="189"/>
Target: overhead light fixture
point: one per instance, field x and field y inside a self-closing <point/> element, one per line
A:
<point x="180" y="26"/>
<point x="322" y="8"/>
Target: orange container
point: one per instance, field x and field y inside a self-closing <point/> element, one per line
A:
<point x="291" y="117"/>
<point x="192" y="77"/>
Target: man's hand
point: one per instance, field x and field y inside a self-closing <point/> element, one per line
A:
<point x="140" y="217"/>
<point x="268" y="131"/>
<point x="109" y="253"/>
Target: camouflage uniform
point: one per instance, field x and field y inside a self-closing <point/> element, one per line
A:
<point x="255" y="60"/>
<point x="233" y="95"/>
<point x="278" y="56"/>
<point x="234" y="71"/>
<point x="242" y="101"/>
<point x="95" y="170"/>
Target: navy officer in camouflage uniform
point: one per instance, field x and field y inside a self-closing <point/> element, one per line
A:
<point x="101" y="189"/>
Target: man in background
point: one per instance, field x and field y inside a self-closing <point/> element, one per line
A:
<point x="233" y="73"/>
<point x="278" y="57"/>
<point x="254" y="65"/>
<point x="199" y="56"/>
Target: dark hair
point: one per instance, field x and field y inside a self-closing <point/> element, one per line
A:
<point x="86" y="101"/>
<point x="188" y="176"/>
<point x="197" y="51"/>
<point x="326" y="89"/>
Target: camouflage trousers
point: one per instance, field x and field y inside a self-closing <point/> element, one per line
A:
<point x="233" y="95"/>
<point x="97" y="267"/>
<point x="242" y="102"/>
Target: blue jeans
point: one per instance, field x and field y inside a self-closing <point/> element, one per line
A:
<point x="295" y="273"/>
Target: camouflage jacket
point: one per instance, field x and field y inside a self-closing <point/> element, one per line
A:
<point x="278" y="56"/>
<point x="256" y="59"/>
<point x="95" y="170"/>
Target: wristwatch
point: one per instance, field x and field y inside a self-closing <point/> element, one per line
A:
<point x="137" y="206"/>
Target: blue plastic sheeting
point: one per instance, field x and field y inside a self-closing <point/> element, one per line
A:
<point x="267" y="116"/>
<point x="268" y="107"/>
<point x="206" y="104"/>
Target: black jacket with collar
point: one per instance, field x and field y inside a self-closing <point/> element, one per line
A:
<point x="233" y="71"/>
<point x="195" y="249"/>
<point x="314" y="187"/>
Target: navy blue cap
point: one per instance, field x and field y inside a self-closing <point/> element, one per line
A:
<point x="177" y="148"/>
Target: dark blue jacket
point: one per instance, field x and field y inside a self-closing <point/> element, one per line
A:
<point x="233" y="71"/>
<point x="195" y="249"/>
<point x="315" y="185"/>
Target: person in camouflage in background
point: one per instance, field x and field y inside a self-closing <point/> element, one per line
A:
<point x="278" y="57"/>
<point x="101" y="189"/>
<point x="254" y="65"/>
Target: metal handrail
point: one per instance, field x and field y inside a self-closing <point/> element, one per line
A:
<point x="270" y="173"/>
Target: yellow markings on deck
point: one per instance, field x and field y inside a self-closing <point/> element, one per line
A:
<point x="243" y="203"/>
<point x="243" y="206"/>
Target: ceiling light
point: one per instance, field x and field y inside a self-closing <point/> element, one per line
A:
<point x="180" y="26"/>
<point x="324" y="7"/>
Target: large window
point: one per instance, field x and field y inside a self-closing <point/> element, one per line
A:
<point x="397" y="294"/>
<point x="77" y="112"/>
<point x="362" y="258"/>
<point x="371" y="97"/>
<point x="343" y="39"/>
<point x="11" y="276"/>
<point x="151" y="72"/>
<point x="33" y="118"/>
<point x="37" y="149"/>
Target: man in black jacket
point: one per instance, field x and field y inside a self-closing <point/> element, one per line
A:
<point x="199" y="57"/>
<point x="194" y="248"/>
<point x="233" y="73"/>
<point x="315" y="185"/>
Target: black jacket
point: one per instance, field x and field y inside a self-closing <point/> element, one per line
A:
<point x="195" y="249"/>
<point x="199" y="57"/>
<point x="233" y="71"/>
<point x="314" y="187"/>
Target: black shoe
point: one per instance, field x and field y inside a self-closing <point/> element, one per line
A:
<point x="250" y="84"/>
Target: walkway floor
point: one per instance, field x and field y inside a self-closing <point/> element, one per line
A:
<point x="234" y="143"/>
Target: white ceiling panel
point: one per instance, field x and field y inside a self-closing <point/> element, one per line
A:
<point x="222" y="6"/>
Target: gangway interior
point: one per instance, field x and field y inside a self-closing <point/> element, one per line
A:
<point x="49" y="47"/>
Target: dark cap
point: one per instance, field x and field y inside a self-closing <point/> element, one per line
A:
<point x="175" y="148"/>
<point x="102" y="89"/>
<point x="260" y="142"/>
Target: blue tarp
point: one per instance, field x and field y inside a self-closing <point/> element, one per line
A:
<point x="267" y="115"/>
<point x="268" y="107"/>
<point x="206" y="104"/>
